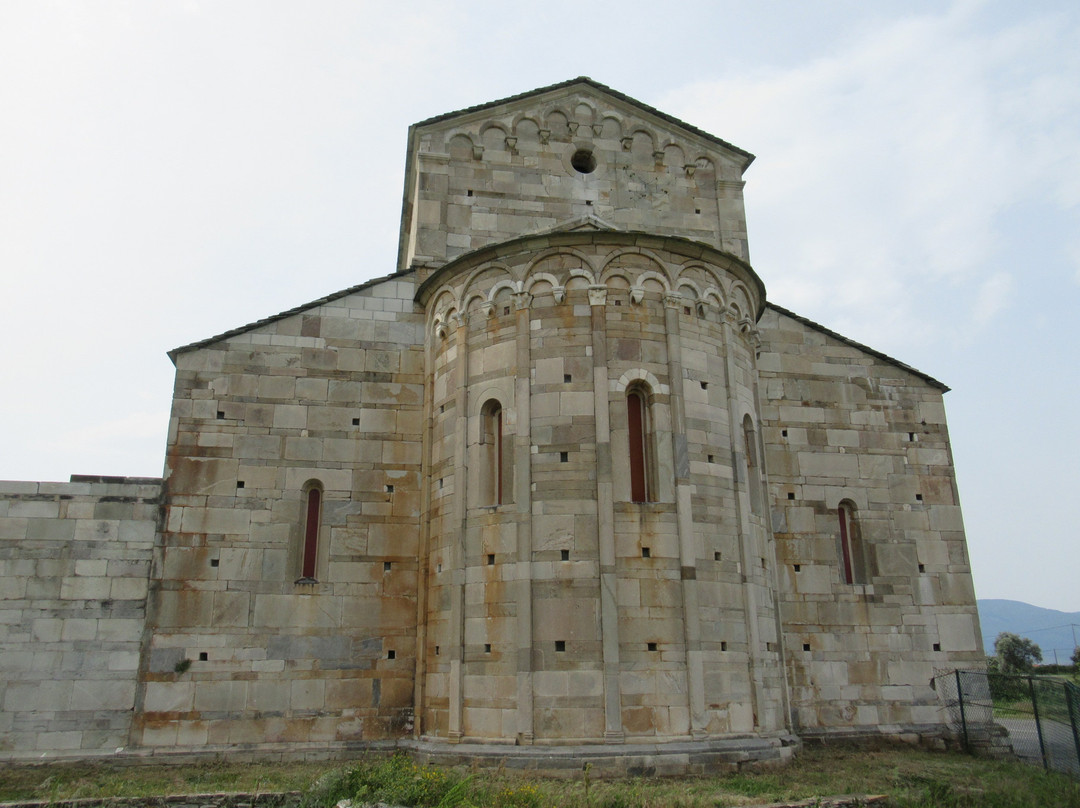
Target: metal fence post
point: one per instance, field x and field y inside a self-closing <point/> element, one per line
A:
<point x="1073" y="719"/>
<point x="963" y="718"/>
<point x="1038" y="723"/>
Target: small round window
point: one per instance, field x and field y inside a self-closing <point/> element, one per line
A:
<point x="583" y="161"/>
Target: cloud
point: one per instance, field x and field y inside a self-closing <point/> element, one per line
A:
<point x="887" y="171"/>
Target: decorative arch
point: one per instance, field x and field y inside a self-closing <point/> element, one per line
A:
<point x="586" y="270"/>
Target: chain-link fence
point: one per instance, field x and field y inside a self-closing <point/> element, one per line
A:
<point x="1035" y="718"/>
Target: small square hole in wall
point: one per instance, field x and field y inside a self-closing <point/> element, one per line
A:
<point x="567" y="378"/>
<point x="239" y="483"/>
<point x="937" y="646"/>
<point x="770" y="646"/>
<point x="618" y="302"/>
<point x="783" y="433"/>
<point x="646" y="552"/>
<point x="704" y="385"/>
<point x="716" y="556"/>
<point x="918" y="497"/>
<point x="356" y="422"/>
<point x="723" y="645"/>
<point x="564" y="555"/>
<point x="391" y="654"/>
<point x="651" y="646"/>
<point x="686" y="310"/>
<point x="220" y="415"/>
<point x="214" y="562"/>
<point x="469" y="192"/>
<point x="440" y="483"/>
<point x="203" y="656"/>
<point x="798" y="567"/>
<point x="506" y="309"/>
<point x="911" y="436"/>
<point x="791" y="495"/>
<point x="387" y="566"/>
<point x="438" y="568"/>
<point x="389" y="489"/>
<point x="922" y="568"/>
<point x="487" y="648"/>
<point x="806" y="646"/>
<point x="436" y="650"/>
<point x="491" y="559"/>
<point x="763" y="563"/>
<point x="588" y="203"/>
<point x="711" y="459"/>
<point x="564" y="457"/>
<point x="697" y="210"/>
<point x="560" y="645"/>
<point x="442" y="408"/>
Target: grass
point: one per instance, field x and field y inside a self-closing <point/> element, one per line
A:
<point x="912" y="779"/>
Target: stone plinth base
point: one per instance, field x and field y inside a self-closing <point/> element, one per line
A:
<point x="613" y="760"/>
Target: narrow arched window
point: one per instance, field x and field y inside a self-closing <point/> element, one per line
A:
<point x="493" y="471"/>
<point x="312" y="520"/>
<point x="852" y="561"/>
<point x="753" y="466"/>
<point x="639" y="429"/>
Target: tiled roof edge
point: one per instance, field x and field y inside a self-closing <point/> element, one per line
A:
<point x="603" y="88"/>
<point x="289" y="313"/>
<point x="865" y="348"/>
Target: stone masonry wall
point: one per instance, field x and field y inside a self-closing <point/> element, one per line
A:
<point x="844" y="425"/>
<point x="74" y="562"/>
<point x="243" y="647"/>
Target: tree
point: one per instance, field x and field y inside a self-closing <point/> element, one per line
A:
<point x="1076" y="656"/>
<point x="1017" y="654"/>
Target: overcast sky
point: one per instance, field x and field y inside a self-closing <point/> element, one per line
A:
<point x="172" y="170"/>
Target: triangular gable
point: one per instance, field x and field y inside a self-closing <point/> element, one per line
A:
<point x="289" y="313"/>
<point x="859" y="346"/>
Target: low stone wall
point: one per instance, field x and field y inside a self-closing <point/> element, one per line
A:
<point x="74" y="571"/>
<point x="286" y="799"/>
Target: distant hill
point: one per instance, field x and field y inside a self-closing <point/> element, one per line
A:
<point x="1047" y="628"/>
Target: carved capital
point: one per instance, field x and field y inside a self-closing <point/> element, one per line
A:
<point x="545" y="135"/>
<point x="522" y="300"/>
<point x="478" y="151"/>
<point x="511" y="143"/>
<point x="658" y="156"/>
<point x="598" y="129"/>
<point x="573" y="127"/>
<point x="673" y="300"/>
<point x="559" y="293"/>
<point x="597" y="295"/>
<point x="627" y="143"/>
<point x="689" y="168"/>
<point x="488" y="308"/>
<point x="637" y="294"/>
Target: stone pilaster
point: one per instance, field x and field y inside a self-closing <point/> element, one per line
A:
<point x="695" y="674"/>
<point x="523" y="507"/>
<point x="605" y="513"/>
<point x="460" y="506"/>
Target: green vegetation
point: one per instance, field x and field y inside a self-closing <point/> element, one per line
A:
<point x="911" y="778"/>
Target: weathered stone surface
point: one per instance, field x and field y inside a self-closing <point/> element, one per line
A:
<point x="564" y="478"/>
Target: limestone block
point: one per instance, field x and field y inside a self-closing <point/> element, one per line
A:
<point x="220" y="696"/>
<point x="957" y="632"/>
<point x="103" y="695"/>
<point x="829" y="464"/>
<point x="307" y="694"/>
<point x="168" y="697"/>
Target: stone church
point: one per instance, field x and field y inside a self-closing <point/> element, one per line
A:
<point x="563" y="478"/>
